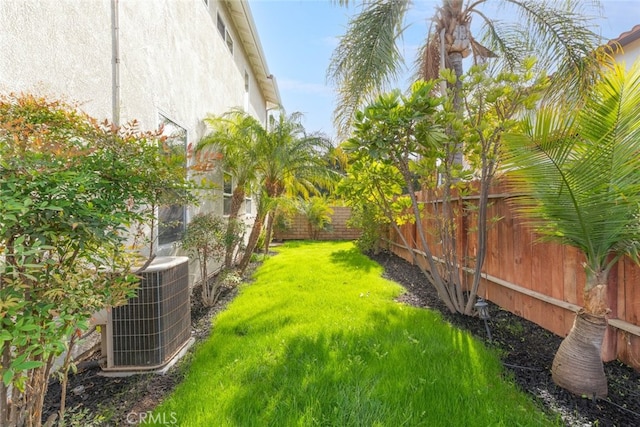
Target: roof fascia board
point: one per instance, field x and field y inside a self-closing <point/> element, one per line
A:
<point x="243" y="20"/>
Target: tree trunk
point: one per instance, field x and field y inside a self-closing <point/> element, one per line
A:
<point x="236" y="203"/>
<point x="267" y="239"/>
<point x="577" y="365"/>
<point x="438" y="281"/>
<point x="455" y="59"/>
<point x="251" y="244"/>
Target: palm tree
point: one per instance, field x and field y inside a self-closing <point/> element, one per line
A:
<point x="368" y="57"/>
<point x="234" y="136"/>
<point x="581" y="174"/>
<point x="290" y="161"/>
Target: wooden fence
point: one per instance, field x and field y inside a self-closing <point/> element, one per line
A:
<point x="541" y="282"/>
<point x="299" y="228"/>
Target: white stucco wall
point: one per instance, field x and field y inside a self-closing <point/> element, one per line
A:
<point x="58" y="49"/>
<point x="172" y="61"/>
<point x="630" y="53"/>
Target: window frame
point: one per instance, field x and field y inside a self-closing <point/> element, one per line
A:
<point x="223" y="30"/>
<point x="169" y="234"/>
<point x="227" y="195"/>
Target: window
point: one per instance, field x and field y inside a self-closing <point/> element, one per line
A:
<point x="247" y="206"/>
<point x="246" y="91"/>
<point x="172" y="218"/>
<point x="229" y="41"/>
<point x="224" y="33"/>
<point x="227" y="193"/>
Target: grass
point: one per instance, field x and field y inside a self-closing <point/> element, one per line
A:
<point x="318" y="339"/>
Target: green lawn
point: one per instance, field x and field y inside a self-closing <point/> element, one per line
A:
<point x="318" y="339"/>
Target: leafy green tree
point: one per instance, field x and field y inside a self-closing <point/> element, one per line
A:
<point x="492" y="105"/>
<point x="580" y="172"/>
<point x="395" y="130"/>
<point x="368" y="58"/>
<point x="412" y="134"/>
<point x="70" y="188"/>
<point x="373" y="190"/>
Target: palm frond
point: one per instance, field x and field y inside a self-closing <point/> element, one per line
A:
<point x="292" y="161"/>
<point x="506" y="38"/>
<point x="367" y="57"/>
<point x="234" y="136"/>
<point x="581" y="172"/>
<point x="561" y="37"/>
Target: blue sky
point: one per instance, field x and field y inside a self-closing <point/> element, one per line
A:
<point x="298" y="37"/>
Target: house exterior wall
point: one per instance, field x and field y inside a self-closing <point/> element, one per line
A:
<point x="626" y="47"/>
<point x="172" y="58"/>
<point x="629" y="54"/>
<point x="172" y="61"/>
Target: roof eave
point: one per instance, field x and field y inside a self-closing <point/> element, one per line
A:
<point x="243" y="21"/>
<point x="625" y="38"/>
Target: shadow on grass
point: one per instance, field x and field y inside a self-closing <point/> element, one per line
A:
<point x="297" y="243"/>
<point x="352" y="258"/>
<point x="376" y="377"/>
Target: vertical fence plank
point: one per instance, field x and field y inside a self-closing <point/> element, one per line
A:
<point x="493" y="261"/>
<point x="632" y="293"/>
<point x="621" y="307"/>
<point x="505" y="229"/>
<point x="551" y="269"/>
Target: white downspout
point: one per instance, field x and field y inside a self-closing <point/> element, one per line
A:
<point x="115" y="63"/>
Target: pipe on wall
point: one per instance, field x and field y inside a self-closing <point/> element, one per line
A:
<point x="115" y="63"/>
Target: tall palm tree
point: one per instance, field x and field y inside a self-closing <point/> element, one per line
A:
<point x="368" y="57"/>
<point x="234" y="136"/>
<point x="290" y="161"/>
<point x="581" y="174"/>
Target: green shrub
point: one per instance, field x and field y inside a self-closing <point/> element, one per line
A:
<point x="70" y="188"/>
<point x="205" y="240"/>
<point x="318" y="214"/>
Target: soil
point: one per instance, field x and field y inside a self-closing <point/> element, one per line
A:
<point x="526" y="350"/>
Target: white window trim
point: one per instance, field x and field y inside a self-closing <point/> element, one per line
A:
<point x="186" y="217"/>
<point x="226" y="195"/>
<point x="223" y="30"/>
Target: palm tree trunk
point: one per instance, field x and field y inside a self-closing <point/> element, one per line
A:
<point x="455" y="59"/>
<point x="577" y="365"/>
<point x="251" y="244"/>
<point x="269" y="231"/>
<point x="236" y="202"/>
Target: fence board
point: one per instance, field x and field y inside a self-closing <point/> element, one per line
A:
<point x="493" y="262"/>
<point x="505" y="229"/>
<point x="517" y="261"/>
<point x="522" y="254"/>
<point x="556" y="269"/>
<point x="572" y="275"/>
<point x="632" y="294"/>
<point x="621" y="307"/>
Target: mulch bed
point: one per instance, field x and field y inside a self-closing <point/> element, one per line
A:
<point x="526" y="350"/>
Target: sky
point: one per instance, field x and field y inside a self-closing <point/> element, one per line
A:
<point x="298" y="37"/>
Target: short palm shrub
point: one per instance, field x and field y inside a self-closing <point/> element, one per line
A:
<point x="317" y="212"/>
